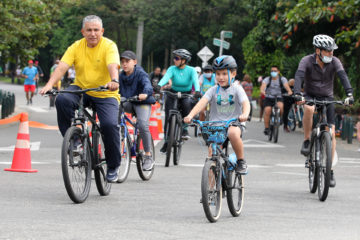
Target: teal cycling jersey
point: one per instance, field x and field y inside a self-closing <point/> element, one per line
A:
<point x="182" y="79"/>
<point x="206" y="83"/>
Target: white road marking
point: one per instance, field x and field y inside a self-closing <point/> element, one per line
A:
<point x="7" y="163"/>
<point x="291" y="165"/>
<point x="291" y="173"/>
<point x="253" y="143"/>
<point x="34" y="146"/>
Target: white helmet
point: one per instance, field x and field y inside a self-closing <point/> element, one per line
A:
<point x="198" y="69"/>
<point x="324" y="42"/>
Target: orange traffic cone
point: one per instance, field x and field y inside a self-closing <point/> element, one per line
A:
<point x="22" y="157"/>
<point x="153" y="127"/>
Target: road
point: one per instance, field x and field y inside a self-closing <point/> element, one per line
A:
<point x="277" y="204"/>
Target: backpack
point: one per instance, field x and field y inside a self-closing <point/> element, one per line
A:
<point x="283" y="90"/>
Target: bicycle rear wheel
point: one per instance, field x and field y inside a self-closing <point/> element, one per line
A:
<point x="177" y="145"/>
<point x="324" y="167"/>
<point x="76" y="165"/>
<point x="125" y="151"/>
<point x="211" y="190"/>
<point x="235" y="193"/>
<point x="292" y="119"/>
<point x="170" y="139"/>
<point x="313" y="179"/>
<point x="100" y="166"/>
<point x="140" y="152"/>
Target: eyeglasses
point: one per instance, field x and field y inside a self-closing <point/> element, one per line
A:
<point x="176" y="58"/>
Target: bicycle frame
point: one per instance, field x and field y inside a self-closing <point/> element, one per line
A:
<point x="123" y="123"/>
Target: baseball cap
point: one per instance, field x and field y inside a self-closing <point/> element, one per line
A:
<point x="128" y="54"/>
<point x="30" y="61"/>
<point x="36" y="62"/>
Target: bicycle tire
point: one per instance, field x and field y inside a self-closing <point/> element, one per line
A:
<point x="83" y="161"/>
<point x="292" y="119"/>
<point x="271" y="132"/>
<point x="177" y="145"/>
<point x="170" y="139"/>
<point x="324" y="167"/>
<point x="125" y="151"/>
<point x="100" y="166"/>
<point x="276" y="126"/>
<point x="196" y="131"/>
<point x="235" y="193"/>
<point x="144" y="175"/>
<point x="313" y="179"/>
<point x="211" y="197"/>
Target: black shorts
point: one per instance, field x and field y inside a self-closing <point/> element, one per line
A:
<point x="330" y="108"/>
<point x="270" y="102"/>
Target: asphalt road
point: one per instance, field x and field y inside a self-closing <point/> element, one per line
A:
<point x="277" y="204"/>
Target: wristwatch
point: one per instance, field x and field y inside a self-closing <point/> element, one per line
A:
<point x="115" y="80"/>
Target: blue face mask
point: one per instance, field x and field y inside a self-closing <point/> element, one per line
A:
<point x="207" y="75"/>
<point x="274" y="74"/>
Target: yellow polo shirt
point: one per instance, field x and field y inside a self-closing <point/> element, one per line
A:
<point x="91" y="65"/>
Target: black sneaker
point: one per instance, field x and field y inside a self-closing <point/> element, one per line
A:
<point x="241" y="167"/>
<point x="112" y="174"/>
<point x="185" y="135"/>
<point x="332" y="179"/>
<point x="305" y="149"/>
<point x="266" y="131"/>
<point x="163" y="148"/>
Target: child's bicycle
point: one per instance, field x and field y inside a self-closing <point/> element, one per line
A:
<point x="131" y="146"/>
<point x="219" y="175"/>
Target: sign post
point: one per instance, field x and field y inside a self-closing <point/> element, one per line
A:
<point x="221" y="42"/>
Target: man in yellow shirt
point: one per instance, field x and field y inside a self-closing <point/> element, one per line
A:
<point x="96" y="60"/>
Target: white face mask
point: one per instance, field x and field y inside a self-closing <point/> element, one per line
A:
<point x="207" y="75"/>
<point x="326" y="59"/>
<point x="274" y="74"/>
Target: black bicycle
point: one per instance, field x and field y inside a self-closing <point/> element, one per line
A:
<point x="319" y="160"/>
<point x="131" y="145"/>
<point x="219" y="176"/>
<point x="274" y="122"/>
<point x="295" y="116"/>
<point x="82" y="151"/>
<point x="174" y="128"/>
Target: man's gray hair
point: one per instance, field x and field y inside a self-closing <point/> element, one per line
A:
<point x="91" y="18"/>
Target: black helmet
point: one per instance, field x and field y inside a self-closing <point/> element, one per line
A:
<point x="183" y="53"/>
<point x="224" y="62"/>
<point x="208" y="67"/>
<point x="324" y="42"/>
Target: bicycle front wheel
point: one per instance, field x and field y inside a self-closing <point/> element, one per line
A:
<point x="140" y="152"/>
<point x="125" y="152"/>
<point x="313" y="174"/>
<point x="177" y="144"/>
<point x="76" y="165"/>
<point x="170" y="139"/>
<point x="276" y="127"/>
<point x="211" y="190"/>
<point x="324" y="167"/>
<point x="103" y="186"/>
<point x="235" y="193"/>
<point x="292" y="119"/>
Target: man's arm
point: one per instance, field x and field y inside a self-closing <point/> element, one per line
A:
<point x="262" y="88"/>
<point x="299" y="78"/>
<point x="114" y="75"/>
<point x="345" y="82"/>
<point x="55" y="77"/>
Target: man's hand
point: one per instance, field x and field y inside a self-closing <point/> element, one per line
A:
<point x="143" y="97"/>
<point x="45" y="89"/>
<point x="112" y="86"/>
<point x="243" y="117"/>
<point x="188" y="119"/>
<point x="197" y="95"/>
<point x="290" y="93"/>
<point x="299" y="99"/>
<point x="349" y="100"/>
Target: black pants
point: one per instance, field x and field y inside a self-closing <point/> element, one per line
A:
<point x="288" y="102"/>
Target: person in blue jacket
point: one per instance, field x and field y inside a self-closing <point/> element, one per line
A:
<point x="134" y="81"/>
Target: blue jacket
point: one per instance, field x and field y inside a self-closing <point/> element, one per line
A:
<point x="136" y="83"/>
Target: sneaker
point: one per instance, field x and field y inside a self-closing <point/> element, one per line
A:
<point x="148" y="163"/>
<point x="77" y="147"/>
<point x="30" y="101"/>
<point x="163" y="148"/>
<point x="185" y="135"/>
<point x="305" y="149"/>
<point x="266" y="131"/>
<point x="241" y="167"/>
<point x="286" y="129"/>
<point x="332" y="179"/>
<point x="112" y="174"/>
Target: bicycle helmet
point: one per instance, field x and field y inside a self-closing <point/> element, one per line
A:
<point x="208" y="67"/>
<point x="324" y="42"/>
<point x="183" y="53"/>
<point x="224" y="62"/>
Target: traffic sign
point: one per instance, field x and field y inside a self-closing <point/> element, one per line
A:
<point x="217" y="42"/>
<point x="205" y="54"/>
<point x="227" y="34"/>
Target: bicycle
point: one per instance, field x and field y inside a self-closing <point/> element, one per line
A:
<point x="174" y="129"/>
<point x="295" y="116"/>
<point x="82" y="151"/>
<point x="319" y="160"/>
<point x="220" y="176"/>
<point x="131" y="145"/>
<point x="274" y="122"/>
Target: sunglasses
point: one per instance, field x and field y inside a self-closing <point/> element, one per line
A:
<point x="177" y="58"/>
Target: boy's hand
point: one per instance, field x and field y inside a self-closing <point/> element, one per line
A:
<point x="187" y="119"/>
<point x="243" y="118"/>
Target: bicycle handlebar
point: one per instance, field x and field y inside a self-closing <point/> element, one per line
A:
<point x="323" y="102"/>
<point x="56" y="92"/>
<point x="177" y="94"/>
<point x="230" y="122"/>
<point x="130" y="99"/>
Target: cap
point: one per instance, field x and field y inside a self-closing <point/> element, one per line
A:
<point x="128" y="54"/>
<point x="36" y="62"/>
<point x="30" y="61"/>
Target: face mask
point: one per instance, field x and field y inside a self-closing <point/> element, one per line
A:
<point x="274" y="74"/>
<point x="326" y="59"/>
<point x="207" y="75"/>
